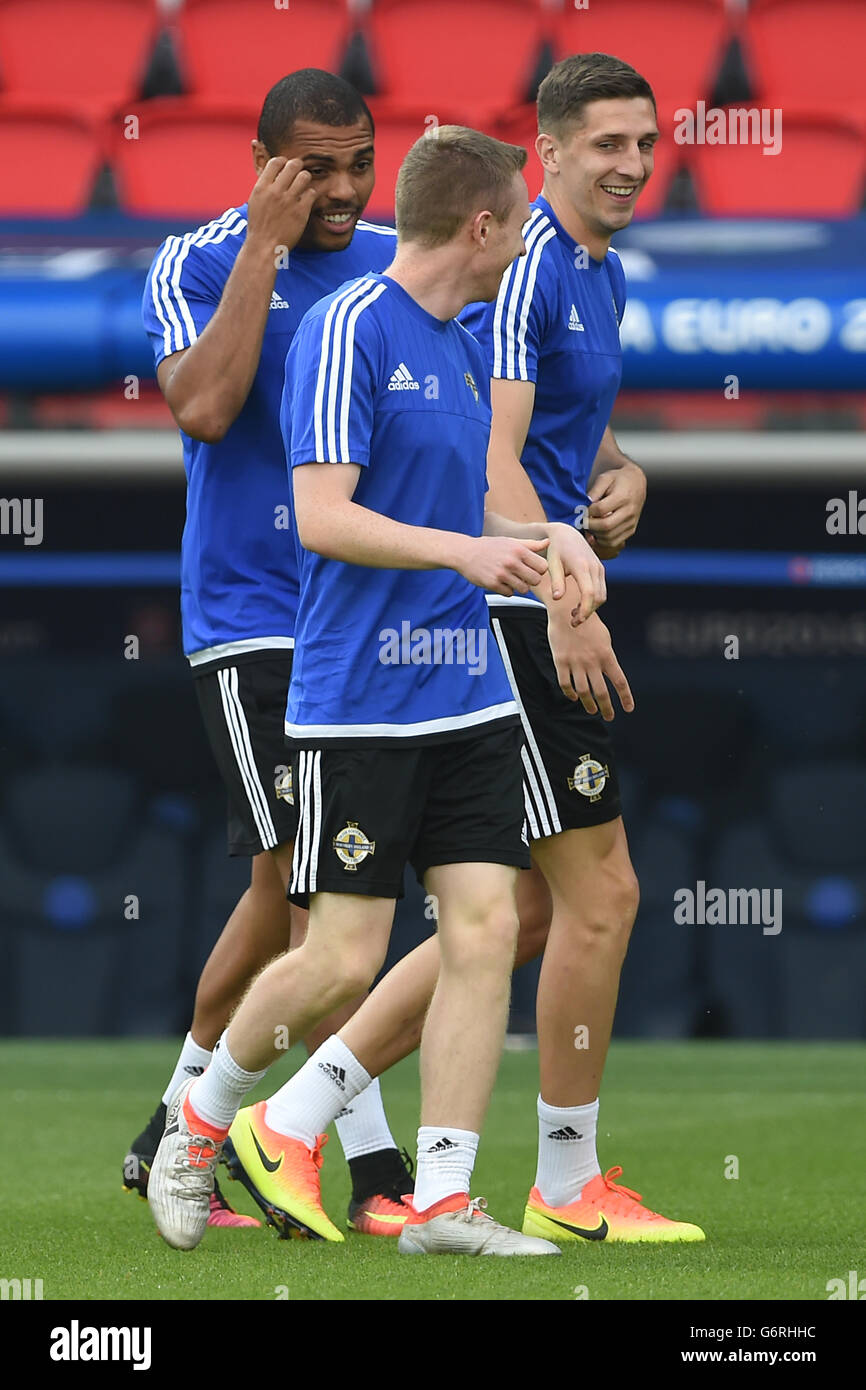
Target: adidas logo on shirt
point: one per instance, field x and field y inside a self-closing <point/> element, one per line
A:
<point x="565" y="1133"/>
<point x="335" y="1073"/>
<point x="277" y="302"/>
<point x="440" y="1146"/>
<point x="403" y="380"/>
<point x="574" y="322"/>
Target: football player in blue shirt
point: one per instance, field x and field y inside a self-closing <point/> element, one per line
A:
<point x="406" y="734"/>
<point x="551" y="344"/>
<point x="221" y="307"/>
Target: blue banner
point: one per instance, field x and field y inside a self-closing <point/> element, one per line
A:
<point x="712" y="305"/>
<point x="727" y="568"/>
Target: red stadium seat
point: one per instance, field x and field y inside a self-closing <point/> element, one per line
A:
<point x="469" y="56"/>
<point x="397" y="129"/>
<point x="677" y="46"/>
<point x="820" y="171"/>
<point x="93" y="52"/>
<point x="520" y="127"/>
<point x="801" y="53"/>
<point x="238" y="49"/>
<point x="50" y="156"/>
<point x="191" y="158"/>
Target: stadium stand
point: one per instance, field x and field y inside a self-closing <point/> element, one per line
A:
<point x="422" y="56"/>
<point x="807" y="980"/>
<point x="93" y="53"/>
<point x="426" y="53"/>
<point x="734" y="788"/>
<point x="66" y="882"/>
<point x="745" y="178"/>
<point x="237" y="49"/>
<point x="679" y="73"/>
<point x="799" y="53"/>
<point x="179" y="761"/>
<point x="217" y="163"/>
<point x="657" y="990"/>
<point x="75" y="139"/>
<point x="688" y="742"/>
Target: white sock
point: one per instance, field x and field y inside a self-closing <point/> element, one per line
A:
<point x="191" y="1062"/>
<point x="446" y="1158"/>
<point x="566" y="1151"/>
<point x="362" y="1126"/>
<point x="315" y="1095"/>
<point x="218" y="1095"/>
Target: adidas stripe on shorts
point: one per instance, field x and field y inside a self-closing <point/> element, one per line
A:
<point x="569" y="773"/>
<point x="244" y="711"/>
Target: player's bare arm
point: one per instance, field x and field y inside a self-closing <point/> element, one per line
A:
<point x="568" y="557"/>
<point x="511" y="491"/>
<point x="207" y="384"/>
<point x="617" y="492"/>
<point x="332" y="524"/>
<point x="583" y="655"/>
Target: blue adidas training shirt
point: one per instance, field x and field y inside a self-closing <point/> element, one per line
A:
<point x="388" y="655"/>
<point x="555" y="322"/>
<point x="239" y="580"/>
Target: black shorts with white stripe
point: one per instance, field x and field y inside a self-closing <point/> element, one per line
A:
<point x="364" y="813"/>
<point x="570" y="777"/>
<point x="244" y="711"/>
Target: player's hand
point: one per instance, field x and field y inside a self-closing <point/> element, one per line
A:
<point x="502" y="564"/>
<point x="616" y="502"/>
<point x="280" y="204"/>
<point x="603" y="551"/>
<point x="568" y="554"/>
<point x="583" y="658"/>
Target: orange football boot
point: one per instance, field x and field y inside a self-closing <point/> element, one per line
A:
<point x="604" y="1211"/>
<point x="281" y="1175"/>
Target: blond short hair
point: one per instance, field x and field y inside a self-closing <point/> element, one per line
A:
<point x="450" y="174"/>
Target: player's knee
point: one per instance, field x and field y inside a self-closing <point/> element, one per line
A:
<point x="489" y="941"/>
<point x="614" y="917"/>
<point x="355" y="971"/>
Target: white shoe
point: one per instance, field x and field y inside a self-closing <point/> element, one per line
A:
<point x="182" y="1178"/>
<point x="468" y="1231"/>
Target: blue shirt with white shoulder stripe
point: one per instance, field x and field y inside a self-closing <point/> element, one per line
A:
<point x="555" y="322"/>
<point x="239" y="580"/>
<point x="385" y="655"/>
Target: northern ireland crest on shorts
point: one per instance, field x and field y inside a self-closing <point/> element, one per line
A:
<point x="352" y="846"/>
<point x="283" y="786"/>
<point x="589" y="778"/>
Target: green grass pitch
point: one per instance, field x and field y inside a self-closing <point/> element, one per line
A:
<point x="674" y="1116"/>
